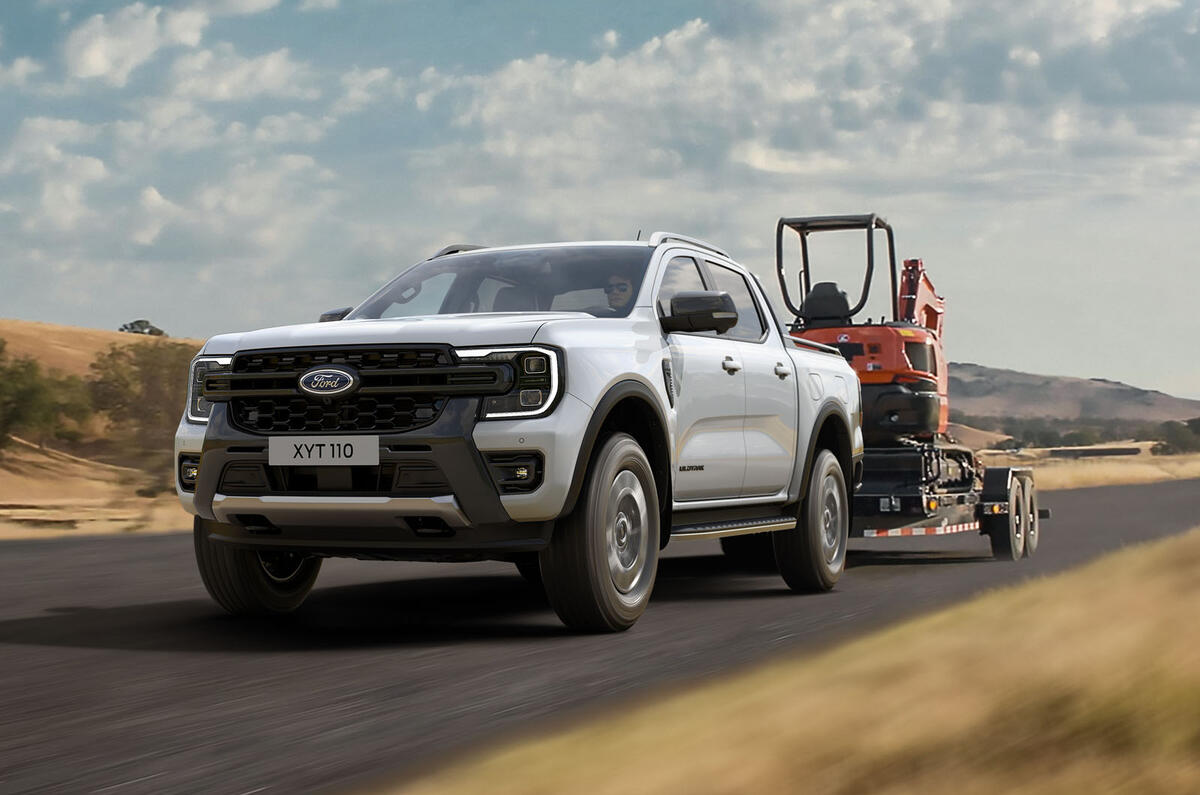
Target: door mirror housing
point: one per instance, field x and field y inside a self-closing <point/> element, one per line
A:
<point x="700" y="311"/>
<point x="335" y="314"/>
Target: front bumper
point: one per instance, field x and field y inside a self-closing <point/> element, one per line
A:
<point x="469" y="517"/>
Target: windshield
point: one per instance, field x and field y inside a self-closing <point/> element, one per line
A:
<point x="600" y="280"/>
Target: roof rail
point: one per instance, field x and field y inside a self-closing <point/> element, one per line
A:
<point x="658" y="238"/>
<point x="455" y="248"/>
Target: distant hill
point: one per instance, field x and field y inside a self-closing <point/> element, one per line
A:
<point x="991" y="392"/>
<point x="68" y="349"/>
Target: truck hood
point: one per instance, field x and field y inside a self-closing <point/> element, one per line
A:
<point x="490" y="328"/>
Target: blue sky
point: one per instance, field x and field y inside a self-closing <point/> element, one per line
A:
<point x="217" y="165"/>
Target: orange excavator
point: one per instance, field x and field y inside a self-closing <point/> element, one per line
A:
<point x="917" y="481"/>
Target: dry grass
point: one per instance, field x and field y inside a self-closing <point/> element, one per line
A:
<point x="1059" y="473"/>
<point x="1085" y="682"/>
<point x="46" y="494"/>
<point x="68" y="349"/>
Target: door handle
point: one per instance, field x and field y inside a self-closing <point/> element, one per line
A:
<point x="730" y="365"/>
<point x="781" y="371"/>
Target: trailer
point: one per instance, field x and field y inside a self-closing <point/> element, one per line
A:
<point x="916" y="479"/>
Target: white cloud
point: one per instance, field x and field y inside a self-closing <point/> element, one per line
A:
<point x="220" y="74"/>
<point x="170" y="124"/>
<point x="18" y="72"/>
<point x="39" y="148"/>
<point x="361" y="87"/>
<point x="292" y="127"/>
<point x="318" y="5"/>
<point x="154" y="212"/>
<point x="111" y="47"/>
<point x="267" y="204"/>
<point x="237" y="7"/>
<point x="609" y="40"/>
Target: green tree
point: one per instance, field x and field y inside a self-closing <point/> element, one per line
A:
<point x="142" y="389"/>
<point x="1179" y="438"/>
<point x="38" y="404"/>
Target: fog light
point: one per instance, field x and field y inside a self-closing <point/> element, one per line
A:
<point x="516" y="472"/>
<point x="189" y="472"/>
<point x="531" y="397"/>
<point x="535" y="365"/>
<point x="932" y="504"/>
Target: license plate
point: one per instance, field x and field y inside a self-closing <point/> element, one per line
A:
<point x="323" y="451"/>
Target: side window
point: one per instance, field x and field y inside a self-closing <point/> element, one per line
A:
<point x="750" y="324"/>
<point x="682" y="275"/>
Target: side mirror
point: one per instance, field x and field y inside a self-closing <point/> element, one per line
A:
<point x="335" y="314"/>
<point x="700" y="311"/>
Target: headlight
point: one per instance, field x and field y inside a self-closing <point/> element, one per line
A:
<point x="198" y="409"/>
<point x="537" y="381"/>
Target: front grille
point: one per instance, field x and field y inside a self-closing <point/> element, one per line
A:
<point x="401" y="388"/>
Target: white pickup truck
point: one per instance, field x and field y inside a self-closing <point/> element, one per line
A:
<point x="569" y="407"/>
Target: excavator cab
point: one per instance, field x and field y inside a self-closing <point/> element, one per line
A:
<point x="900" y="362"/>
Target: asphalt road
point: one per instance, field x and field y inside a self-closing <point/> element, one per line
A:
<point x="118" y="675"/>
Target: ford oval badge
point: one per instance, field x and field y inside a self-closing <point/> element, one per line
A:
<point x="328" y="381"/>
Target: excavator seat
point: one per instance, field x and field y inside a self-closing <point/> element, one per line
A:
<point x="826" y="305"/>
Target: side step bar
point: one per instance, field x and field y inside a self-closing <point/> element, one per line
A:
<point x="737" y="527"/>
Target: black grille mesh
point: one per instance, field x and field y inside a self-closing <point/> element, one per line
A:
<point x="291" y="361"/>
<point x="381" y="412"/>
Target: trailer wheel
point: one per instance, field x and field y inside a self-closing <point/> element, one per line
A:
<point x="1033" y="528"/>
<point x="1007" y="533"/>
<point x="811" y="557"/>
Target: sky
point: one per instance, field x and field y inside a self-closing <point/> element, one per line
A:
<point x="220" y="165"/>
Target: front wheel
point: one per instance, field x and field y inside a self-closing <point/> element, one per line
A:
<point x="249" y="582"/>
<point x="599" y="567"/>
<point x="812" y="556"/>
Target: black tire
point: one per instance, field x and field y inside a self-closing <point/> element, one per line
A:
<point x="812" y="556"/>
<point x="600" y="565"/>
<point x="531" y="571"/>
<point x="1007" y="533"/>
<point x="246" y="582"/>
<point x="755" y="552"/>
<point x="1033" y="527"/>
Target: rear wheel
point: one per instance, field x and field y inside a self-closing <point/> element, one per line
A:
<point x="1033" y="527"/>
<point x="755" y="552"/>
<point x="812" y="556"/>
<point x="599" y="567"/>
<point x="249" y="582"/>
<point x="1007" y="533"/>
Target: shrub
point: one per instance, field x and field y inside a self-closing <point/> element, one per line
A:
<point x="42" y="405"/>
<point x="142" y="389"/>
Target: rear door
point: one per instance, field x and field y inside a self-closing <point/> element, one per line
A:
<point x="710" y="398"/>
<point x="769" y="422"/>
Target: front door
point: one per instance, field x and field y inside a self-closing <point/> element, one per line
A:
<point x="710" y="450"/>
<point x="769" y="426"/>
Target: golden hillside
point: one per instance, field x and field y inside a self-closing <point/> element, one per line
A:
<point x="68" y="349"/>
